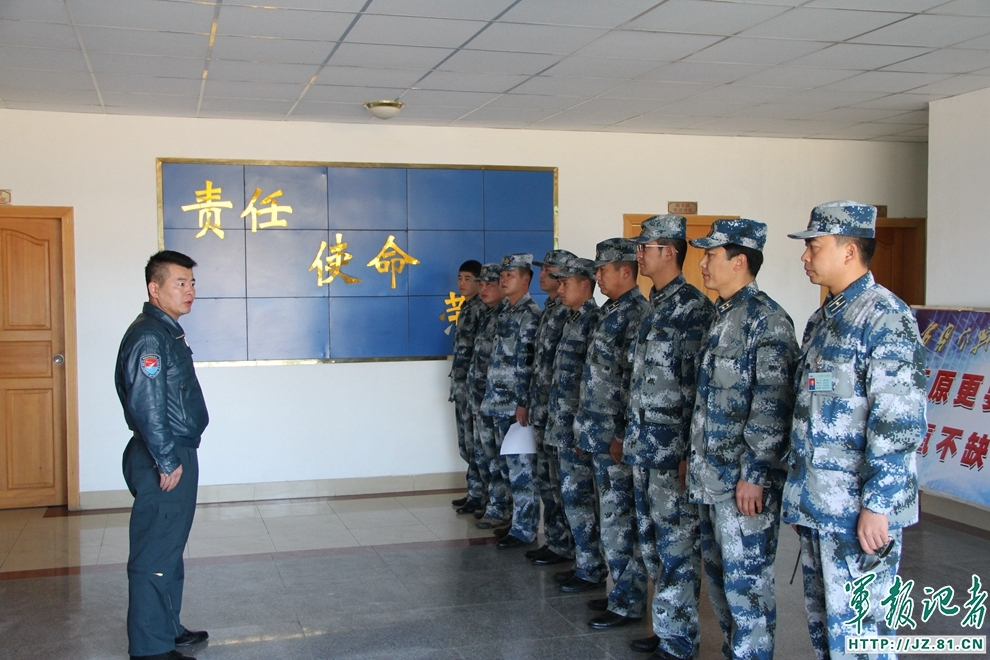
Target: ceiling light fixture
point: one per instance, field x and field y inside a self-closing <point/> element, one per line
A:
<point x="384" y="109"/>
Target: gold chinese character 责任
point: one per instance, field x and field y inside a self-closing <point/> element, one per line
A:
<point x="272" y="211"/>
<point x="337" y="258"/>
<point x="392" y="258"/>
<point x="209" y="206"/>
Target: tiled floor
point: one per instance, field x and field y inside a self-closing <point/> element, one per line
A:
<point x="385" y="577"/>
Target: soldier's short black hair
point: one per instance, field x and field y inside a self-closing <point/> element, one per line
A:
<point x="680" y="249"/>
<point x="526" y="272"/>
<point x="866" y="247"/>
<point x="754" y="258"/>
<point x="471" y="266"/>
<point x="157" y="268"/>
<point x="633" y="266"/>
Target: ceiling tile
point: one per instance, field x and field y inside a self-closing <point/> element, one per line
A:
<point x="703" y="72"/>
<point x="911" y="6"/>
<point x="349" y="6"/>
<point x="746" y="50"/>
<point x="238" y="114"/>
<point x="980" y="43"/>
<point x="253" y="90"/>
<point x="282" y="23"/>
<point x="654" y="122"/>
<point x="446" y="114"/>
<point x="260" y="49"/>
<point x="722" y="18"/>
<point x="346" y="94"/>
<point x="692" y="107"/>
<point x="147" y="65"/>
<point x="260" y="71"/>
<point x="897" y="102"/>
<point x="916" y="132"/>
<point x="449" y="99"/>
<point x="56" y="96"/>
<point x="946" y="60"/>
<point x="929" y="30"/>
<point x="30" y="33"/>
<point x="831" y="98"/>
<point x="368" y="76"/>
<point x="49" y="11"/>
<point x="916" y="117"/>
<point x="223" y="104"/>
<point x="479" y="10"/>
<point x="484" y="61"/>
<point x="583" y="87"/>
<point x="371" y="29"/>
<point x="737" y="93"/>
<point x="35" y="79"/>
<point x="955" y="85"/>
<point x="538" y="101"/>
<point x="856" y="114"/>
<point x="148" y="85"/>
<point x="668" y="92"/>
<point x="502" y="115"/>
<point x="778" y="111"/>
<point x="861" y="131"/>
<point x="964" y="8"/>
<point x="569" y="121"/>
<point x="470" y="82"/>
<point x="798" y="77"/>
<point x="601" y="67"/>
<point x="566" y="12"/>
<point x="119" y="103"/>
<point x="822" y="24"/>
<point x="858" y="56"/>
<point x="27" y="57"/>
<point x="885" y="81"/>
<point x="144" y="42"/>
<point x="659" y="46"/>
<point x="159" y="15"/>
<point x="535" y="38"/>
<point x="55" y="106"/>
<point x="389" y="57"/>
<point x="308" y="108"/>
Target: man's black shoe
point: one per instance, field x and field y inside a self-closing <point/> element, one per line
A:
<point x="469" y="507"/>
<point x="646" y="644"/>
<point x="610" y="620"/>
<point x="532" y="554"/>
<point x="171" y="655"/>
<point x="461" y="501"/>
<point x="550" y="558"/>
<point x="563" y="576"/>
<point x="192" y="638"/>
<point x="660" y="654"/>
<point x="598" y="604"/>
<point x="479" y="514"/>
<point x="576" y="585"/>
<point x="511" y="541"/>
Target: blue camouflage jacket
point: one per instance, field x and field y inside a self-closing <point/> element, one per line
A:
<point x="548" y="332"/>
<point x="477" y="376"/>
<point x="745" y="398"/>
<point x="468" y="322"/>
<point x="858" y="425"/>
<point x="568" y="368"/>
<point x="511" y="364"/>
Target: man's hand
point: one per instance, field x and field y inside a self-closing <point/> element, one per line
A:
<point x="749" y="498"/>
<point x="522" y="416"/>
<point x="682" y="475"/>
<point x="170" y="481"/>
<point x="871" y="530"/>
<point x="615" y="450"/>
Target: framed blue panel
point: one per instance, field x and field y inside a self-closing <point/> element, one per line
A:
<point x="180" y="181"/>
<point x="430" y="333"/>
<point x="364" y="246"/>
<point x="220" y="263"/>
<point x="500" y="243"/>
<point x="440" y="254"/>
<point x="288" y="328"/>
<point x="517" y="199"/>
<point x="446" y="199"/>
<point x="369" y="327"/>
<point x="278" y="262"/>
<point x="367" y="198"/>
<point x="216" y="329"/>
<point x="304" y="190"/>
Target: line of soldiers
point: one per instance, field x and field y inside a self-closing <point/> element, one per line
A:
<point x="673" y="433"/>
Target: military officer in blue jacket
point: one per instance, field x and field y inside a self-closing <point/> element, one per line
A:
<point x="165" y="411"/>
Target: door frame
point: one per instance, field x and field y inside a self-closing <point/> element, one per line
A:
<point x="71" y="373"/>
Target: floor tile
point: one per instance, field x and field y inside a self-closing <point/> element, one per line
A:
<point x="226" y="528"/>
<point x="42" y="557"/>
<point x="297" y="525"/>
<point x="314" y="540"/>
<point x="282" y="509"/>
<point x="232" y="512"/>
<point x="366" y="504"/>
<point x="377" y="518"/>
<point x="456" y="529"/>
<point x="388" y="535"/>
<point x="235" y="545"/>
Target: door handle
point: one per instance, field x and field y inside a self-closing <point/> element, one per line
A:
<point x="58" y="359"/>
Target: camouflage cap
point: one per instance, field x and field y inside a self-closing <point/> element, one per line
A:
<point x="489" y="273"/>
<point x="741" y="231"/>
<point x="614" y="249"/>
<point x="660" y="227"/>
<point x="555" y="258"/>
<point x="519" y="260"/>
<point x="575" y="267"/>
<point x="843" y="218"/>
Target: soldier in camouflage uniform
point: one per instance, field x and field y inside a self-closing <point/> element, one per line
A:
<point x="510" y="370"/>
<point x="601" y="423"/>
<point x="495" y="490"/>
<point x="468" y="320"/>
<point x="559" y="547"/>
<point x="661" y="402"/>
<point x="859" y="416"/>
<point x="577" y="477"/>
<point x="739" y="433"/>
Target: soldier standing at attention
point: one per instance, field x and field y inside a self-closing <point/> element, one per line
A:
<point x="559" y="547"/>
<point x="577" y="477"/>
<point x="496" y="504"/>
<point x="467" y="327"/>
<point x="858" y="419"/>
<point x="739" y="433"/>
<point x="601" y="423"/>
<point x="507" y="393"/>
<point x="658" y="436"/>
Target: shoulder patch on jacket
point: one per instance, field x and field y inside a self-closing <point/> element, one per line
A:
<point x="151" y="365"/>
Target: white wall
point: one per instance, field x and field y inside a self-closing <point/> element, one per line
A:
<point x="959" y="200"/>
<point x="354" y="420"/>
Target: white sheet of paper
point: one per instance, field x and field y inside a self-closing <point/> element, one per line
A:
<point x="519" y="440"/>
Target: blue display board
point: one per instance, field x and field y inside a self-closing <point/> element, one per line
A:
<point x="301" y="262"/>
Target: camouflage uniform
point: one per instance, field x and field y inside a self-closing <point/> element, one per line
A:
<point x="576" y="472"/>
<point x="858" y="419"/>
<point x="661" y="401"/>
<point x="468" y="323"/>
<point x="739" y="431"/>
<point x="558" y="533"/>
<point x="602" y="418"/>
<point x="509" y="372"/>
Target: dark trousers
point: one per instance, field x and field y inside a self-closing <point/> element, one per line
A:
<point x="160" y="524"/>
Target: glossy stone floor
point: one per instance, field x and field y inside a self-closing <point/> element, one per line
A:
<point x="383" y="577"/>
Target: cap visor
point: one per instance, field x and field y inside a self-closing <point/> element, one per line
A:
<point x="810" y="233"/>
<point x="706" y="243"/>
<point x="642" y="239"/>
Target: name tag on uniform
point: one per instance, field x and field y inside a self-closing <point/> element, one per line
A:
<point x="820" y="381"/>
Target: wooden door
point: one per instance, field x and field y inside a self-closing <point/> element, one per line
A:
<point x="32" y="361"/>
<point x="697" y="227"/>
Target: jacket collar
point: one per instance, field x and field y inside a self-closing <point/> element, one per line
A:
<point x="668" y="289"/>
<point x="833" y="304"/>
<point x="738" y="297"/>
<point x="170" y="324"/>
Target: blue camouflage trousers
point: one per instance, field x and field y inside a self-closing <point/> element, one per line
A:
<point x="555" y="526"/>
<point x="496" y="488"/>
<point x="669" y="537"/>
<point x="577" y="487"/>
<point x="520" y="472"/>
<point x="738" y="557"/>
<point x="618" y="523"/>
<point x="465" y="445"/>
<point x="830" y="560"/>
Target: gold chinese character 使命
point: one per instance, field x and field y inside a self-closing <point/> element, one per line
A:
<point x="272" y="211"/>
<point x="209" y="206"/>
<point x="392" y="258"/>
<point x="337" y="258"/>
